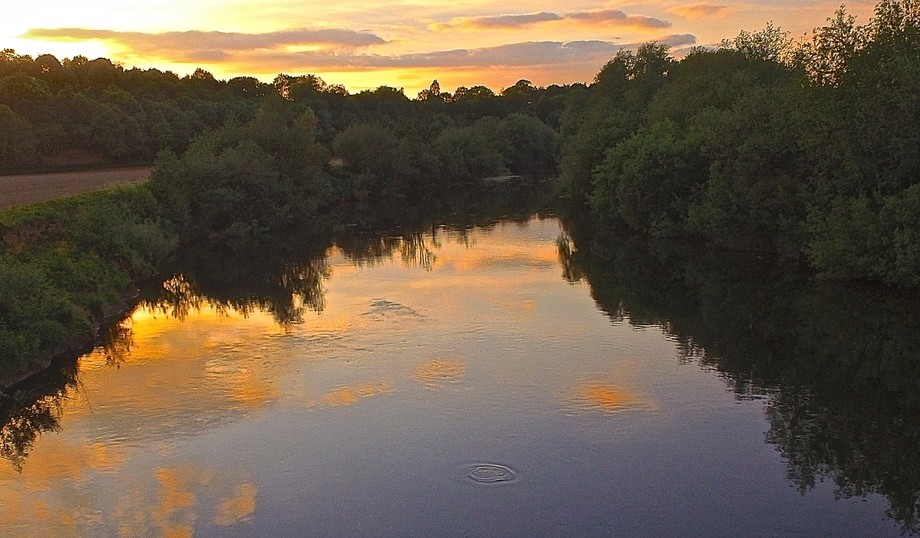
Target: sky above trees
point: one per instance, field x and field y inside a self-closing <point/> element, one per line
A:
<point x="400" y="43"/>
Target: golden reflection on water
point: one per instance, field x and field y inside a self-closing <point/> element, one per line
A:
<point x="177" y="496"/>
<point x="239" y="507"/>
<point x="174" y="377"/>
<point x="166" y="501"/>
<point x="598" y="396"/>
<point x="437" y="373"/>
<point x="352" y="395"/>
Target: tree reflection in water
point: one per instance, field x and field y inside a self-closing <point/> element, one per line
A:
<point x="284" y="278"/>
<point x="30" y="409"/>
<point x="35" y="406"/>
<point x="415" y="249"/>
<point x="837" y="366"/>
<point x="281" y="284"/>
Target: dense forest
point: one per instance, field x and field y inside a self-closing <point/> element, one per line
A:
<point x="78" y="111"/>
<point x="805" y="150"/>
<point x="808" y="149"/>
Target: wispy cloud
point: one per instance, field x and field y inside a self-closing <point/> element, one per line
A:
<point x="525" y="54"/>
<point x="615" y="16"/>
<point x="211" y="46"/>
<point x="525" y="20"/>
<point x="700" y="11"/>
<point x="504" y="21"/>
<point x="514" y="55"/>
<point x="366" y="59"/>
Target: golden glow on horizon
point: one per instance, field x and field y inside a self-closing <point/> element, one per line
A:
<point x="367" y="43"/>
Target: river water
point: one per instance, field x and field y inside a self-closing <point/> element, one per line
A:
<point x="480" y="381"/>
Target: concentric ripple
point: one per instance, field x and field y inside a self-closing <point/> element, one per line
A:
<point x="491" y="473"/>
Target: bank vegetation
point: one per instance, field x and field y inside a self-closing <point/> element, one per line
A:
<point x="805" y="150"/>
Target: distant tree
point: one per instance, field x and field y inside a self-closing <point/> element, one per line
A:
<point x="27" y="95"/>
<point x="768" y="45"/>
<point x="827" y="55"/>
<point x="532" y="146"/>
<point x="521" y="97"/>
<point x="17" y="140"/>
<point x="379" y="159"/>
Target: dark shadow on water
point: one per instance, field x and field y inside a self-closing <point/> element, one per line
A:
<point x="32" y="409"/>
<point x="838" y="366"/>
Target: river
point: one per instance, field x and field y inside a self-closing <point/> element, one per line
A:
<point x="481" y="380"/>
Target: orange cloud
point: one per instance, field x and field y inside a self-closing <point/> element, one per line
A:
<point x="617" y="17"/>
<point x="526" y="20"/>
<point x="201" y="46"/>
<point x="700" y="11"/>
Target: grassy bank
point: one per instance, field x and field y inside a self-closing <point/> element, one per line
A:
<point x="68" y="265"/>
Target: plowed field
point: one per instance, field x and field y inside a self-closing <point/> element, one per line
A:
<point x="31" y="188"/>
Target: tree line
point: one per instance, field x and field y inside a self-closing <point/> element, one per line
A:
<point x="806" y="149"/>
<point x="76" y="111"/>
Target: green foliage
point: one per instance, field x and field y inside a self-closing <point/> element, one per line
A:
<point x="240" y="182"/>
<point x="68" y="265"/>
<point x="611" y="112"/>
<point x="865" y="238"/>
<point x="810" y="149"/>
<point x="901" y="215"/>
<point x="466" y="153"/>
<point x="754" y="196"/>
<point x="122" y="228"/>
<point x="378" y="159"/>
<point x="846" y="240"/>
<point x="532" y="146"/>
<point x="648" y="180"/>
<point x="18" y="143"/>
<point x="416" y="158"/>
<point x="35" y="320"/>
<point x="770" y="45"/>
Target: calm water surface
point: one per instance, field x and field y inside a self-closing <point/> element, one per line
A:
<point x="451" y="382"/>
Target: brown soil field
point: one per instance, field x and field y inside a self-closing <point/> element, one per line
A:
<point x="30" y="188"/>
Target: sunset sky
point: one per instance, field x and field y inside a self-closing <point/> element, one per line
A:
<point x="402" y="43"/>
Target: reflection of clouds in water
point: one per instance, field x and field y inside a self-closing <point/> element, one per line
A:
<point x="439" y="372"/>
<point x="608" y="398"/>
<point x="237" y="508"/>
<point x="351" y="395"/>
<point x="518" y="306"/>
<point x="183" y="492"/>
<point x="64" y="460"/>
<point x="171" y="502"/>
<point x="244" y="379"/>
<point x="174" y="512"/>
<point x="505" y="257"/>
<point x="183" y="378"/>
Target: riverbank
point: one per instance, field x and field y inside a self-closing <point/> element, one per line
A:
<point x="70" y="265"/>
